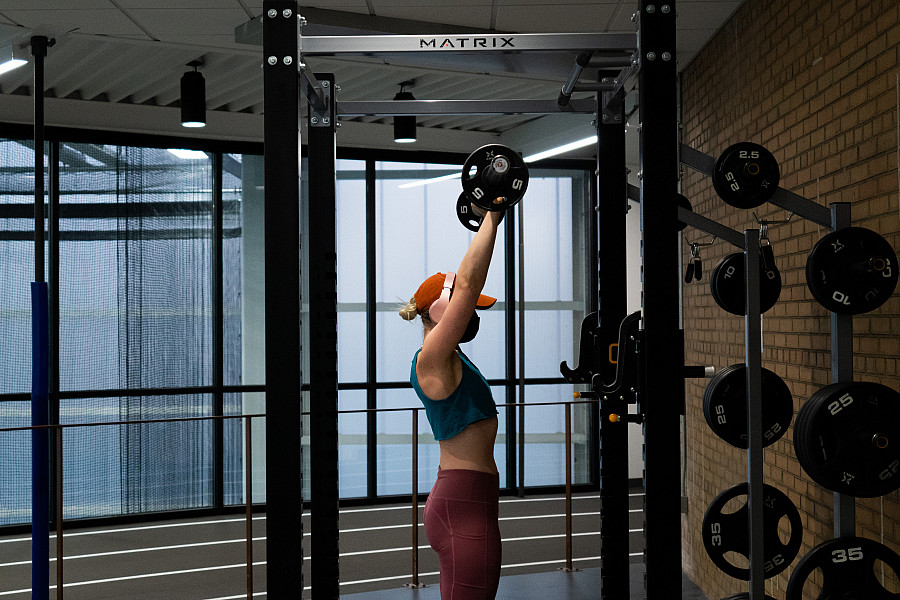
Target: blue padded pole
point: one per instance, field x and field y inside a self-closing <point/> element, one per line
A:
<point x="40" y="442"/>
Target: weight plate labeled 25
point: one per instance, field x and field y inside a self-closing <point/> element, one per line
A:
<point x="852" y="271"/>
<point x="746" y="175"/>
<point x="724" y="533"/>
<point x="847" y="438"/>
<point x="725" y="405"/>
<point x="847" y="565"/>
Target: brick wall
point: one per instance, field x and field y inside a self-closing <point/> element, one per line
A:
<point x="815" y="82"/>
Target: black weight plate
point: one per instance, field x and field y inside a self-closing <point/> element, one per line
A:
<point x="852" y="271"/>
<point x="745" y="596"/>
<point x="848" y="570"/>
<point x="727" y="285"/>
<point x="489" y="188"/>
<point x="848" y="440"/>
<point x="469" y="219"/>
<point x="725" y="405"/>
<point x="802" y="424"/>
<point x="724" y="533"/>
<point x="466" y="215"/>
<point x="746" y="175"/>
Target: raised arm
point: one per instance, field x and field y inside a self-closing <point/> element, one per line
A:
<point x="444" y="337"/>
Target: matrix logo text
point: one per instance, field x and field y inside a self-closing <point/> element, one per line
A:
<point x="468" y="42"/>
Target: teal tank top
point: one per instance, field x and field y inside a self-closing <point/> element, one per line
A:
<point x="471" y="401"/>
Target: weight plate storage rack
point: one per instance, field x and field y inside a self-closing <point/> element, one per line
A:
<point x="728" y="169"/>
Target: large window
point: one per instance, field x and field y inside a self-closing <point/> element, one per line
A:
<point x="160" y="265"/>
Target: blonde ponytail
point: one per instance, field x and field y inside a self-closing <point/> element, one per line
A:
<point x="408" y="311"/>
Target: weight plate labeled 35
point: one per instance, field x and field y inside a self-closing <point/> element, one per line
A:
<point x="746" y="175"/>
<point x="725" y="405"/>
<point x="847" y="568"/>
<point x="852" y="271"/>
<point x="847" y="438"/>
<point x="724" y="533"/>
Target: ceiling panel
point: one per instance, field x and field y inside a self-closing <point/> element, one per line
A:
<point x="464" y="15"/>
<point x="112" y="62"/>
<point x="167" y="24"/>
<point x="574" y="18"/>
<point x="38" y="5"/>
<point x="176" y="4"/>
<point x="106" y="21"/>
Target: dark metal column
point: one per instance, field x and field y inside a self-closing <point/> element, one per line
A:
<point x="842" y="370"/>
<point x="371" y="337"/>
<point x="218" y="335"/>
<point x="661" y="347"/>
<point x="611" y="307"/>
<point x="512" y="470"/>
<point x="323" y="395"/>
<point x="753" y="360"/>
<point x="284" y="548"/>
<point x="40" y="403"/>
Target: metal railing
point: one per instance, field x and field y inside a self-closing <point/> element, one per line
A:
<point x="248" y="478"/>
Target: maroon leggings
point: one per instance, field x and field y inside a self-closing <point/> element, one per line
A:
<point x="461" y="525"/>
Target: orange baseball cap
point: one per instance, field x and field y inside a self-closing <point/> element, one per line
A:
<point x="431" y="288"/>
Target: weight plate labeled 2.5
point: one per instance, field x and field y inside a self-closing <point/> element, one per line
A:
<point x="726" y="533"/>
<point x="848" y="571"/>
<point x="725" y="405"/>
<point x="847" y="438"/>
<point x="746" y="175"/>
<point x="852" y="271"/>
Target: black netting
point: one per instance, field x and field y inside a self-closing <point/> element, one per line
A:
<point x="136" y="312"/>
<point x="16" y="274"/>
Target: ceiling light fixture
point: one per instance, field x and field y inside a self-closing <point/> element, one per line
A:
<point x="12" y="57"/>
<point x="529" y="159"/>
<point x="404" y="125"/>
<point x="188" y="154"/>
<point x="561" y="149"/>
<point x="193" y="97"/>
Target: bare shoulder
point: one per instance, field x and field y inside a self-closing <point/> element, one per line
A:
<point x="438" y="375"/>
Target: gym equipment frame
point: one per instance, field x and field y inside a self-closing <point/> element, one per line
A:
<point x="649" y="63"/>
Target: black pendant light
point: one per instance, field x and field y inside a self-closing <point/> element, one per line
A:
<point x="193" y="97"/>
<point x="404" y="126"/>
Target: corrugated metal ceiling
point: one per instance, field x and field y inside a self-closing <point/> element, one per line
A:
<point x="114" y="55"/>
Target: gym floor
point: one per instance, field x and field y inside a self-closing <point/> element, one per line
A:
<point x="204" y="559"/>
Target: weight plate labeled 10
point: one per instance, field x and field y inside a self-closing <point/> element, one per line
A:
<point x="728" y="287"/>
<point x="852" y="271"/>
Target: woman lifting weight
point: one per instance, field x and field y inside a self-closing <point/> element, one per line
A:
<point x="461" y="511"/>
